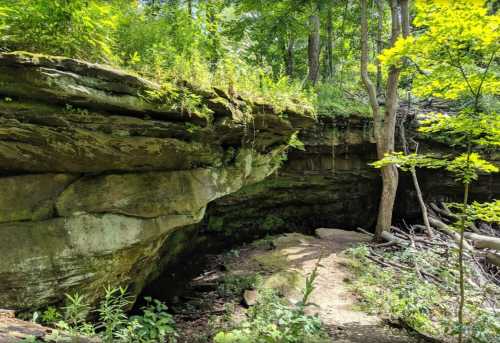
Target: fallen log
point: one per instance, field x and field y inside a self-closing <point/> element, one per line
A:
<point x="389" y="237"/>
<point x="484" y="242"/>
<point x="445" y="228"/>
<point x="492" y="258"/>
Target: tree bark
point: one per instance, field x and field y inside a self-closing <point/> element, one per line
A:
<point x="493" y="259"/>
<point x="289" y="56"/>
<point x="385" y="126"/>
<point x="380" y="28"/>
<point x="313" y="48"/>
<point x="329" y="43"/>
<point x="190" y="7"/>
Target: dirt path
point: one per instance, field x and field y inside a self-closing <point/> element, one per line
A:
<point x="331" y="294"/>
<point x="336" y="304"/>
<point x="286" y="261"/>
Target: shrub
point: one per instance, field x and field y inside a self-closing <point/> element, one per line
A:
<point x="274" y="320"/>
<point x="75" y="28"/>
<point x="155" y="324"/>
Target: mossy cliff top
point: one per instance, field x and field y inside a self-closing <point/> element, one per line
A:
<point x="74" y="116"/>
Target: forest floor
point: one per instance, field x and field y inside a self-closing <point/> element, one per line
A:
<point x="220" y="296"/>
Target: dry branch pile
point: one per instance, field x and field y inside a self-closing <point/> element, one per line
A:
<point x="434" y="254"/>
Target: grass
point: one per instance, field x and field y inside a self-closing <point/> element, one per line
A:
<point x="334" y="101"/>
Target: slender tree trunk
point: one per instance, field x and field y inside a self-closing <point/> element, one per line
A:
<point x="385" y="126"/>
<point x="413" y="172"/>
<point x="461" y="254"/>
<point x="289" y="56"/>
<point x="190" y="8"/>
<point x="329" y="43"/>
<point x="380" y="28"/>
<point x="313" y="48"/>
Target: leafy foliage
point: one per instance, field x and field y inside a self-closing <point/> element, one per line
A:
<point x="155" y="324"/>
<point x="455" y="39"/>
<point x="425" y="306"/>
<point x="410" y="161"/>
<point x="484" y="211"/>
<point x="466" y="167"/>
<point x="272" y="320"/>
<point x="481" y="129"/>
<point x="77" y="28"/>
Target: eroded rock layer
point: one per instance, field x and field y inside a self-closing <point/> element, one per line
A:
<point x="331" y="184"/>
<point x="96" y="173"/>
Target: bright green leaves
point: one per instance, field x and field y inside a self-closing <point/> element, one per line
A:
<point x="74" y="28"/>
<point x="487" y="212"/>
<point x="410" y="161"/>
<point x="466" y="167"/>
<point x="455" y="42"/>
<point x="484" y="211"/>
<point x="401" y="48"/>
<point x="479" y="129"/>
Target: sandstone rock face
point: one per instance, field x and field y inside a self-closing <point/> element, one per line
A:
<point x="331" y="184"/>
<point x="95" y="175"/>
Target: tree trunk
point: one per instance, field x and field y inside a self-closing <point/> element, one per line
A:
<point x="385" y="126"/>
<point x="380" y="28"/>
<point x="420" y="197"/>
<point x="492" y="258"/>
<point x="329" y="44"/>
<point x="289" y="60"/>
<point x="413" y="172"/>
<point x="190" y="8"/>
<point x="313" y="48"/>
<point x="461" y="259"/>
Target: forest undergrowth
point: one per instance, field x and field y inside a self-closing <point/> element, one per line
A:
<point x="413" y="280"/>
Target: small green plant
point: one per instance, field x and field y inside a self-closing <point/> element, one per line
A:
<point x="76" y="310"/>
<point x="111" y="312"/>
<point x="274" y="320"/>
<point x="113" y="324"/>
<point x="50" y="316"/>
<point x="309" y="286"/>
<point x="155" y="324"/>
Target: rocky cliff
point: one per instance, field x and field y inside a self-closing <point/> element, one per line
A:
<point x="98" y="167"/>
<point x="331" y="184"/>
<point x="105" y="177"/>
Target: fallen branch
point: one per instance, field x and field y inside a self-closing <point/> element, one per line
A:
<point x="492" y="258"/>
<point x="364" y="231"/>
<point x="380" y="259"/>
<point x="389" y="237"/>
<point x="445" y="211"/>
<point x="438" y="224"/>
<point x="484" y="242"/>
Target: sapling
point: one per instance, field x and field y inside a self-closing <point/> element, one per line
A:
<point x="454" y="58"/>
